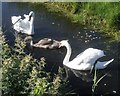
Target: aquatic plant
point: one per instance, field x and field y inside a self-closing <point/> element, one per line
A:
<point x="96" y="81"/>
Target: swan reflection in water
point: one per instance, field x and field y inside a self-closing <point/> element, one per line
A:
<point x="83" y="75"/>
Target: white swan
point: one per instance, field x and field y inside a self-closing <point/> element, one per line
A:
<point x="24" y="25"/>
<point x="85" y="60"/>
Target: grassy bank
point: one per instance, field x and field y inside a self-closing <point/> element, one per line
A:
<point x="104" y="17"/>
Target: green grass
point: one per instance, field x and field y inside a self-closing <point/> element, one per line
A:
<point x="102" y="16"/>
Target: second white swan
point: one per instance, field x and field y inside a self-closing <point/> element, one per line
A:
<point x="24" y="25"/>
<point x="85" y="60"/>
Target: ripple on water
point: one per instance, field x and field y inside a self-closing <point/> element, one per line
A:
<point x="114" y="91"/>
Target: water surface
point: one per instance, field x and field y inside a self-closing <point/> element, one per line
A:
<point x="58" y="27"/>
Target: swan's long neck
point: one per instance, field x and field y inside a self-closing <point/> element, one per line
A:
<point x="68" y="54"/>
<point x="31" y="26"/>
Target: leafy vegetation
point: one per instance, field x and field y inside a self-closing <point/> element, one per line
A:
<point x="103" y="16"/>
<point x="22" y="74"/>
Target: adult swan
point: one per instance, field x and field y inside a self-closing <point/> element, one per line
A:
<point x="24" y="25"/>
<point x="85" y="60"/>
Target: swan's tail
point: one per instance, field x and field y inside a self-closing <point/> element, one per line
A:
<point x="102" y="65"/>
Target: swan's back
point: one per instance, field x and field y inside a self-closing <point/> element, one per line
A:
<point x="86" y="59"/>
<point x="89" y="56"/>
<point x="92" y="53"/>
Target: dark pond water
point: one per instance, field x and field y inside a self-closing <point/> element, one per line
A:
<point x="54" y="26"/>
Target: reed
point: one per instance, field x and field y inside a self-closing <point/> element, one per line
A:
<point x="96" y="81"/>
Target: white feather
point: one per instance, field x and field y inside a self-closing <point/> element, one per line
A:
<point x="24" y="25"/>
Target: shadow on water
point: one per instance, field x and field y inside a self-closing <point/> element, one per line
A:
<point x="59" y="28"/>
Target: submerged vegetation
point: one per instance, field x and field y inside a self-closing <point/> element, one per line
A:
<point x="102" y="16"/>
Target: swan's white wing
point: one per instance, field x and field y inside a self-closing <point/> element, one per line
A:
<point x="77" y="66"/>
<point x="91" y="52"/>
<point x="16" y="22"/>
<point x="87" y="66"/>
<point x="14" y="19"/>
<point x="27" y="24"/>
<point x="90" y="55"/>
<point x="20" y="25"/>
<point x="24" y="25"/>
